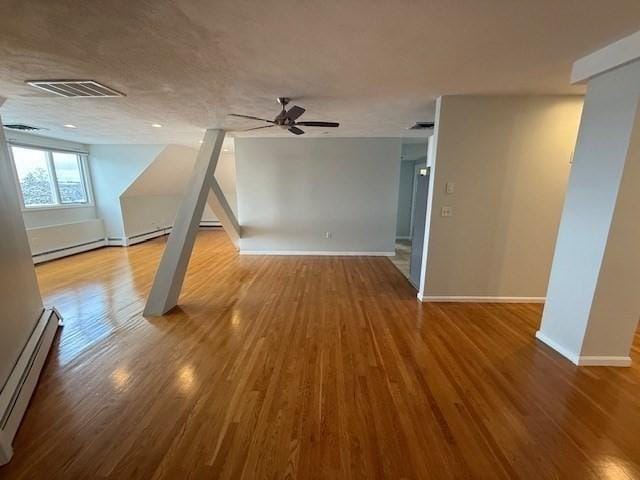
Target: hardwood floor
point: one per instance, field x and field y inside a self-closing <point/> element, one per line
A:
<point x="308" y="367"/>
<point x="402" y="259"/>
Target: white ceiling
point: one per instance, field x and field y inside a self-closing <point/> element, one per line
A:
<point x="375" y="66"/>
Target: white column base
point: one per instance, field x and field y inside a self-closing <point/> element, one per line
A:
<point x="585" y="360"/>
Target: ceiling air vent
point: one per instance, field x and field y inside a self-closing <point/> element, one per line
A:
<point x="75" y="88"/>
<point x="22" y="127"/>
<point x="422" y="126"/>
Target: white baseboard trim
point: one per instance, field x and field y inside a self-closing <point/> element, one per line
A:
<point x="317" y="253"/>
<point x="465" y="299"/>
<point x="604" y="361"/>
<point x="585" y="360"/>
<point x="67" y="251"/>
<point x="403" y="238"/>
<point x="17" y="391"/>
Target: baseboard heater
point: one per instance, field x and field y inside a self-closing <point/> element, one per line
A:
<point x="111" y="242"/>
<point x="67" y="251"/>
<point x="17" y="391"/>
<point x="143" y="237"/>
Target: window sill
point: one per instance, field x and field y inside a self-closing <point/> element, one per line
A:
<point x="44" y="208"/>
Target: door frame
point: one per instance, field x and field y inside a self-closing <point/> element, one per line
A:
<point x="416" y="171"/>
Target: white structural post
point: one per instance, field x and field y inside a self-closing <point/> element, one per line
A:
<point x="175" y="259"/>
<point x="592" y="306"/>
<point x="221" y="209"/>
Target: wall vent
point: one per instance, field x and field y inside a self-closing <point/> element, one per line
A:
<point x="75" y="88"/>
<point x="22" y="127"/>
<point x="422" y="126"/>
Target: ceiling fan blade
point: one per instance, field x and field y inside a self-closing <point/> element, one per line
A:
<point x="318" y="124"/>
<point x="281" y="116"/>
<point x="257" y="128"/>
<point x="296" y="130"/>
<point x="294" y="112"/>
<point x="250" y="117"/>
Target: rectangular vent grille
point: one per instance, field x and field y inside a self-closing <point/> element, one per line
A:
<point x="22" y="127"/>
<point x="75" y="88"/>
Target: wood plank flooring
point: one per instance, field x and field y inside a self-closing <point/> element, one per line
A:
<point x="308" y="367"/>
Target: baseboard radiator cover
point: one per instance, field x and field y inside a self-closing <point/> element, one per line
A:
<point x="143" y="237"/>
<point x="150" y="235"/>
<point x="68" y="251"/>
<point x="17" y="391"/>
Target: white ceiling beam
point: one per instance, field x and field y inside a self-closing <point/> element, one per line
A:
<point x="612" y="56"/>
<point x="167" y="283"/>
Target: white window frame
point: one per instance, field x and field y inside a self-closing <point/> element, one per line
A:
<point x="84" y="174"/>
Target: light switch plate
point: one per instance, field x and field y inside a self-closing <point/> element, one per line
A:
<point x="450" y="187"/>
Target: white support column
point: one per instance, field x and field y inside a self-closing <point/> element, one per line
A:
<point x="173" y="266"/>
<point x="592" y="308"/>
<point x="220" y="207"/>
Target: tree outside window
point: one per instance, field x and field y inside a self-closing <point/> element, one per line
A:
<point x="49" y="177"/>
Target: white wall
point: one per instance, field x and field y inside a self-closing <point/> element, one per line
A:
<point x="19" y="294"/>
<point x="113" y="169"/>
<point x="58" y="216"/>
<point x="509" y="160"/>
<point x="148" y="213"/>
<point x="293" y="190"/>
<point x="150" y="202"/>
<point x="226" y="176"/>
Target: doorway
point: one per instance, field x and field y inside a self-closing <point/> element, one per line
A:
<point x="418" y="222"/>
<point x="412" y="198"/>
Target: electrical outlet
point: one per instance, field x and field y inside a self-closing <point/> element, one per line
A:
<point x="446" y="212"/>
<point x="328" y="234"/>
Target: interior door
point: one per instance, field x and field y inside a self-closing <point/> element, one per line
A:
<point x="419" y="220"/>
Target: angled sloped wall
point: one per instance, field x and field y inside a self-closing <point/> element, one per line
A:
<point x="113" y="169"/>
<point x="139" y="187"/>
<point x="150" y="202"/>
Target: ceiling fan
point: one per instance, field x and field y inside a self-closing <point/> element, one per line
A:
<point x="286" y="119"/>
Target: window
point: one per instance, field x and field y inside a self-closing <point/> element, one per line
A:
<point x="49" y="178"/>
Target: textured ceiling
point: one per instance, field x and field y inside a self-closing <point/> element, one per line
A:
<point x="373" y="65"/>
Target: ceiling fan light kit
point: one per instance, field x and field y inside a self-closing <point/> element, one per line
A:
<point x="287" y="119"/>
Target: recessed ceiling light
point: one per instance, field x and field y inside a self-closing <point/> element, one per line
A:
<point x="225" y="149"/>
<point x="201" y="141"/>
<point x="68" y="125"/>
<point x="156" y="125"/>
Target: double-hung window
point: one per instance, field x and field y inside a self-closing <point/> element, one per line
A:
<point x="51" y="178"/>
